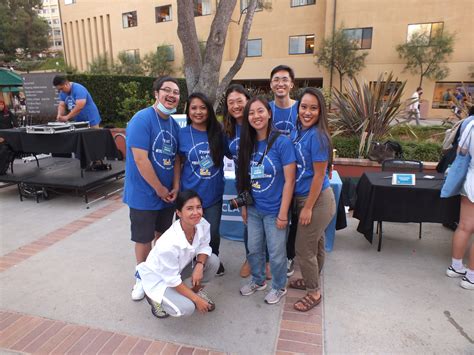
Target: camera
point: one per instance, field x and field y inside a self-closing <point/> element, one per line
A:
<point x="242" y="199"/>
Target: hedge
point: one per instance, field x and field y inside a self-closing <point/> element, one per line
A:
<point x="105" y="91"/>
<point x="348" y="147"/>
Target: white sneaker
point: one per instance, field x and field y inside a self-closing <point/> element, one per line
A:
<point x="274" y="296"/>
<point x="138" y="293"/>
<point x="452" y="272"/>
<point x="466" y="283"/>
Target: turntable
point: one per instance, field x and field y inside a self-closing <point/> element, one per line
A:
<point x="57" y="127"/>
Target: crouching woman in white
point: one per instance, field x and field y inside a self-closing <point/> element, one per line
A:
<point x="182" y="251"/>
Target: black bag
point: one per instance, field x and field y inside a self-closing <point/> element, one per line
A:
<point x="382" y="151"/>
<point x="7" y="155"/>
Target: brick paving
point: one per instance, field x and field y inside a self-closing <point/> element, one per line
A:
<point x="298" y="332"/>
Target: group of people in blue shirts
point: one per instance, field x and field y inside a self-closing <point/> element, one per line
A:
<point x="282" y="153"/>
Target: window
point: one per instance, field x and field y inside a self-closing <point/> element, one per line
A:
<point x="302" y="44"/>
<point x="129" y="19"/>
<point x="53" y="10"/>
<point x="429" y="30"/>
<point x="45" y="11"/>
<point x="58" y="43"/>
<point x="295" y="3"/>
<point x="163" y="13"/>
<point x="254" y="48"/>
<point x="245" y="3"/>
<point x="445" y="90"/>
<point x="361" y="37"/>
<point x="202" y="7"/>
<point x="55" y="21"/>
<point x="57" y="32"/>
<point x="168" y="50"/>
<point x="69" y="2"/>
<point x="133" y="55"/>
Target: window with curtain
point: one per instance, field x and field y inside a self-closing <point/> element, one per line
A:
<point x="202" y="7"/>
<point x="129" y="19"/>
<point x="254" y="47"/>
<point x="302" y="44"/>
<point x="163" y="13"/>
<point x="429" y="30"/>
<point x="296" y="3"/>
<point x="168" y="50"/>
<point x="361" y="37"/>
<point x="245" y="3"/>
<point x="133" y="54"/>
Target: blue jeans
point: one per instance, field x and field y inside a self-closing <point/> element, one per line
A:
<point x="213" y="215"/>
<point x="262" y="231"/>
<point x="246" y="242"/>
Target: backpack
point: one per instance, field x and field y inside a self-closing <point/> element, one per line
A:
<point x="7" y="155"/>
<point x="451" y="136"/>
<point x="383" y="151"/>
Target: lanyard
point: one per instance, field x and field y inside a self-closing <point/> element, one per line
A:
<point x="263" y="155"/>
<point x="161" y="129"/>
<point x="298" y="138"/>
<point x="194" y="145"/>
<point x="288" y="118"/>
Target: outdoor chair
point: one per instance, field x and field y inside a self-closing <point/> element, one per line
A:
<point x="399" y="166"/>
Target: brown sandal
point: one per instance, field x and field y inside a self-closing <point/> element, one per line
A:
<point x="298" y="284"/>
<point x="308" y="302"/>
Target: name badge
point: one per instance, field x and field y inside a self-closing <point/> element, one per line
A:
<point x="167" y="149"/>
<point x="257" y="172"/>
<point x="206" y="163"/>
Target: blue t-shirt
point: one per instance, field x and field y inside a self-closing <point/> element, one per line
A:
<point x="310" y="146"/>
<point x="284" y="119"/>
<point x="197" y="173"/>
<point x="267" y="192"/>
<point x="89" y="112"/>
<point x="148" y="131"/>
<point x="233" y="143"/>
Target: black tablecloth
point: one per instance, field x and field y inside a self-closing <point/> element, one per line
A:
<point x="88" y="145"/>
<point x="379" y="200"/>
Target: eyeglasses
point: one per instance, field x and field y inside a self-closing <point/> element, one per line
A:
<point x="283" y="80"/>
<point x="170" y="91"/>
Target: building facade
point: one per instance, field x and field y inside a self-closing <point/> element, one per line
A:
<point x="50" y="12"/>
<point x="283" y="32"/>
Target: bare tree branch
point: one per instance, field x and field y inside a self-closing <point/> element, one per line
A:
<point x="250" y="11"/>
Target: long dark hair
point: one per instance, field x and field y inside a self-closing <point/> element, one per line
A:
<point x="229" y="121"/>
<point x="248" y="141"/>
<point x="213" y="128"/>
<point x="322" y="125"/>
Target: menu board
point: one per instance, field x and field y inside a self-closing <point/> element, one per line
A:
<point x="41" y="96"/>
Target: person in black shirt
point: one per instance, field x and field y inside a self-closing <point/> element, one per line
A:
<point x="7" y="118"/>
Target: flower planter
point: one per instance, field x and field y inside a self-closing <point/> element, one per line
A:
<point x="119" y="138"/>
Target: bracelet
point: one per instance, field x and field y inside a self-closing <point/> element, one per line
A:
<point x="282" y="220"/>
<point x="200" y="262"/>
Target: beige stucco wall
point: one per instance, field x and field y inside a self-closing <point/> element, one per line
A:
<point x="389" y="20"/>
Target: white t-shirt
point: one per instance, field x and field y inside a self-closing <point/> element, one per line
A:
<point x="466" y="144"/>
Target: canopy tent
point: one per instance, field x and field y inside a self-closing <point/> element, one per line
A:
<point x="10" y="81"/>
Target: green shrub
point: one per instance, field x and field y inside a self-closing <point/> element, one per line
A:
<point x="347" y="147"/>
<point x="107" y="94"/>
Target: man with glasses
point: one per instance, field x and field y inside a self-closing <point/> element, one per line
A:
<point x="284" y="114"/>
<point x="152" y="171"/>
<point x="75" y="102"/>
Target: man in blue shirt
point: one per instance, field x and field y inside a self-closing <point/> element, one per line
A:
<point x="75" y="102"/>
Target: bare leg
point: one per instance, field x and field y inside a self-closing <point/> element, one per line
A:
<point x="141" y="251"/>
<point x="463" y="232"/>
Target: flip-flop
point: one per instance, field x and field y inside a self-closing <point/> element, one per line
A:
<point x="298" y="284"/>
<point x="308" y="302"/>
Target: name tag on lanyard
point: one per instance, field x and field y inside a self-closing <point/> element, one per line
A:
<point x="206" y="163"/>
<point x="257" y="172"/>
<point x="167" y="149"/>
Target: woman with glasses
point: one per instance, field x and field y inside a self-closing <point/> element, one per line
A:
<point x="266" y="169"/>
<point x="152" y="170"/>
<point x="313" y="197"/>
<point x="201" y="147"/>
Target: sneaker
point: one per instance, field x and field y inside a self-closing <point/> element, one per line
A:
<point x="274" y="296"/>
<point x="251" y="288"/>
<point x="451" y="272"/>
<point x="156" y="308"/>
<point x="290" y="267"/>
<point x="245" y="269"/>
<point x="137" y="291"/>
<point x="466" y="283"/>
<point x="204" y="296"/>
<point x="221" y="270"/>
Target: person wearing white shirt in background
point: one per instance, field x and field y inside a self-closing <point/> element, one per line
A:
<point x="414" y="107"/>
<point x="182" y="251"/>
<point x="465" y="228"/>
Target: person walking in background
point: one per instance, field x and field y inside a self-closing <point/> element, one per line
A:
<point x="75" y="102"/>
<point x="464" y="231"/>
<point x="201" y="147"/>
<point x="152" y="171"/>
<point x="266" y="169"/>
<point x="314" y="198"/>
<point x="284" y="115"/>
<point x="414" y="108"/>
<point x="182" y="251"/>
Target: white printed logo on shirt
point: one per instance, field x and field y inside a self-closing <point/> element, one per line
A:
<point x="163" y="160"/>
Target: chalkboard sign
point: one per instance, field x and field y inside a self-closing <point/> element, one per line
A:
<point x="41" y="96"/>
